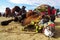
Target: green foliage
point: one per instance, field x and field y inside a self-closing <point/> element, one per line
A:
<point x="41" y="9"/>
<point x="57" y="10"/>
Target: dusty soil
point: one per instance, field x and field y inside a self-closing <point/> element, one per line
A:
<point x="13" y="31"/>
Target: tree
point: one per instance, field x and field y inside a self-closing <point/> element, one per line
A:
<point x="57" y="10"/>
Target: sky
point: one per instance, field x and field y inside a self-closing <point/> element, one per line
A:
<point x="30" y="4"/>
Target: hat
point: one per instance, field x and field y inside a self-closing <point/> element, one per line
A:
<point x="45" y="24"/>
<point x="23" y="7"/>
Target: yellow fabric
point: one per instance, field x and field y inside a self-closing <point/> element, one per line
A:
<point x="36" y="20"/>
<point x="32" y="22"/>
<point x="40" y="26"/>
<point x="36" y="29"/>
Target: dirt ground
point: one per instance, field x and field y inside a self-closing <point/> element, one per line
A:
<point x="13" y="31"/>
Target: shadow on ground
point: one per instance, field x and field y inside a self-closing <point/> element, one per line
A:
<point x="57" y="35"/>
<point x="57" y="23"/>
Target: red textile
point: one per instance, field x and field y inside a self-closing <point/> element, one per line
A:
<point x="53" y="11"/>
<point x="52" y="25"/>
<point x="49" y="12"/>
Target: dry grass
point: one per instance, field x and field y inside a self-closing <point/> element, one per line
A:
<point x="13" y="31"/>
